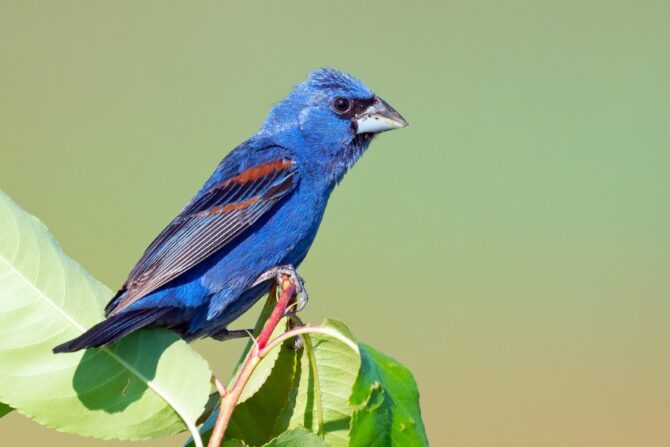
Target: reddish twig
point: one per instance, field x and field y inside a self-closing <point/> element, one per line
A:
<point x="232" y="395"/>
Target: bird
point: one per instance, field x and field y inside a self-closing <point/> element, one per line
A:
<point x="254" y="219"/>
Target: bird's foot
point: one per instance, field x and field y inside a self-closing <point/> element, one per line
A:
<point x="278" y="273"/>
<point x="225" y="334"/>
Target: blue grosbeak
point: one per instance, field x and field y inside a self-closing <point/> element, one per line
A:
<point x="255" y="217"/>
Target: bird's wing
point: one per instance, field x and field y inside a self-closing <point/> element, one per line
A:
<point x="209" y="222"/>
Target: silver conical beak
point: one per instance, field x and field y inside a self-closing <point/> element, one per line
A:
<point x="379" y="117"/>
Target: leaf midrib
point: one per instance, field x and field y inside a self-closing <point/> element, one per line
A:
<point x="168" y="400"/>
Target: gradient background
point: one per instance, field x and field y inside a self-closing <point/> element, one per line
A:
<point x="511" y="246"/>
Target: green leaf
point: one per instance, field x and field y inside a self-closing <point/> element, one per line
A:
<point x="4" y="409"/>
<point x="388" y="401"/>
<point x="262" y="371"/>
<point x="118" y="392"/>
<point x="265" y="405"/>
<point x="365" y="397"/>
<point x="287" y="399"/>
<point x="257" y="379"/>
<point x="234" y="443"/>
<point x="337" y="365"/>
<point x="298" y="437"/>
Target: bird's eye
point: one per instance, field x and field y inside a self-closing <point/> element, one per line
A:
<point x="341" y="105"/>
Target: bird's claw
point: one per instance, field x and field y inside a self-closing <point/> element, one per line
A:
<point x="278" y="273"/>
<point x="301" y="298"/>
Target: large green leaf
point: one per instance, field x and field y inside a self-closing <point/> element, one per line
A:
<point x="287" y="399"/>
<point x="388" y="401"/>
<point x="234" y="443"/>
<point x="149" y="384"/>
<point x="264" y="368"/>
<point x="364" y="397"/>
<point x="265" y="394"/>
<point x="298" y="437"/>
<point x="265" y="405"/>
<point x="4" y="409"/>
<point x="337" y="365"/>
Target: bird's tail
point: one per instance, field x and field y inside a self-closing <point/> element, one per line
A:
<point x="113" y="328"/>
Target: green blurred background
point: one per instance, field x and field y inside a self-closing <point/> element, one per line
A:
<point x="511" y="246"/>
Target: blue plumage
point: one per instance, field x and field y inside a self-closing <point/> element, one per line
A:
<point x="260" y="209"/>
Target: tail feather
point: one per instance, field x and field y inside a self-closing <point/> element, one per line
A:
<point x="113" y="328"/>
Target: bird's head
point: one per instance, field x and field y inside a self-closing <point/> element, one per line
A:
<point x="336" y="115"/>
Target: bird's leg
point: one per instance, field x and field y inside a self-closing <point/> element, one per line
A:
<point x="225" y="334"/>
<point x="295" y="321"/>
<point x="277" y="273"/>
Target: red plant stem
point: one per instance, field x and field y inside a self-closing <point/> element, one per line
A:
<point x="288" y="289"/>
<point x="229" y="401"/>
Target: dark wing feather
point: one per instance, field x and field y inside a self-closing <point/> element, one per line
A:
<point x="210" y="221"/>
